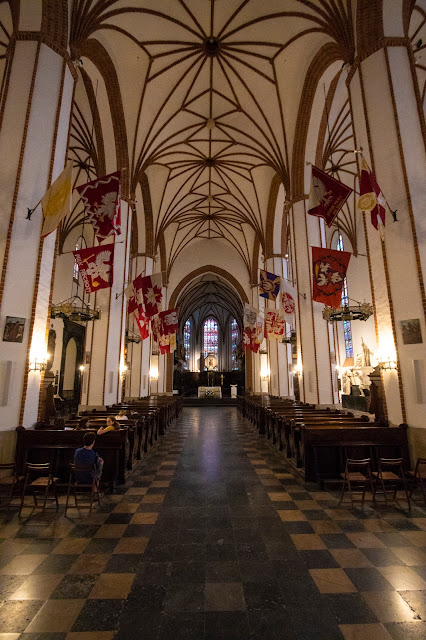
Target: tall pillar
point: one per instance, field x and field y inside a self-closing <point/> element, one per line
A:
<point x="105" y="340"/>
<point x="313" y="340"/>
<point x="33" y="143"/>
<point x="387" y="126"/>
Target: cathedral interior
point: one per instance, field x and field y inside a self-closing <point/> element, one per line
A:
<point x="213" y="258"/>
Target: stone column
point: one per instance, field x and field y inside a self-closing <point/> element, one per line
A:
<point x="33" y="143"/>
<point x="313" y="342"/>
<point x="384" y="102"/>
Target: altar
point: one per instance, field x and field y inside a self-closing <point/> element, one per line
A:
<point x="209" y="392"/>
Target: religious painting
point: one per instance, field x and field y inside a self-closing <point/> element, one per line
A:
<point x="411" y="331"/>
<point x="14" y="329"/>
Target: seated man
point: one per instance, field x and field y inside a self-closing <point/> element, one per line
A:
<point x="86" y="457"/>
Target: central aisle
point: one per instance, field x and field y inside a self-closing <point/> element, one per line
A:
<point x="220" y="562"/>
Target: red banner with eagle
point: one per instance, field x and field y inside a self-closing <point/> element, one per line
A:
<point x="101" y="201"/>
<point x="95" y="266"/>
<point x="329" y="273"/>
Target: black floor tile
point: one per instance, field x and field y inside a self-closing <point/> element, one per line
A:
<point x="336" y="541"/>
<point x="320" y="559"/>
<point x="262" y="595"/>
<point x="407" y="630"/>
<point x="182" y="626"/>
<point x="368" y="579"/>
<point x="123" y="563"/>
<point x="349" y="608"/>
<point x="226" y="625"/>
<point x="56" y="563"/>
<point x="382" y="557"/>
<point x="99" y="615"/>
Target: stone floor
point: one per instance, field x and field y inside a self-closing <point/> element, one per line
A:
<point x="214" y="537"/>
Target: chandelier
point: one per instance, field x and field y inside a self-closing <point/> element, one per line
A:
<point x="75" y="310"/>
<point x="361" y="311"/>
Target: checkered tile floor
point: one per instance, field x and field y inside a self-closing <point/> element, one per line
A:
<point x="215" y="537"/>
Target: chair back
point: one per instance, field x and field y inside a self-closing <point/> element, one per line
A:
<point x="75" y="469"/>
<point x="39" y="466"/>
<point x="359" y="466"/>
<point x="7" y="466"/>
<point x="420" y="462"/>
<point x="391" y="464"/>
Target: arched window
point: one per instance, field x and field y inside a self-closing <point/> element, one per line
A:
<point x="235" y="334"/>
<point x="347" y="330"/>
<point x="210" y="337"/>
<point x="187" y="342"/>
<point x="80" y="244"/>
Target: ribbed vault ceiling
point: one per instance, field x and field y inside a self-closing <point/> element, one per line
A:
<point x="210" y="90"/>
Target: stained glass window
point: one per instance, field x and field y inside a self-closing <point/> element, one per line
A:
<point x="235" y="334"/>
<point x="211" y="341"/>
<point x="187" y="342"/>
<point x="347" y="330"/>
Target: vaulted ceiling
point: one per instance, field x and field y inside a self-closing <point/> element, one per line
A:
<point x="209" y="91"/>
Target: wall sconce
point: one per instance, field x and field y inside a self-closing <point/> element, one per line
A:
<point x="298" y="370"/>
<point x="38" y="365"/>
<point x="264" y="373"/>
<point x="386" y="356"/>
<point x="123" y="370"/>
<point x="153" y="373"/>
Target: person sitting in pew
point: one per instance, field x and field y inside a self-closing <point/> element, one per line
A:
<point x="83" y="424"/>
<point x="85" y="457"/>
<point x="112" y="425"/>
<point x="121" y="415"/>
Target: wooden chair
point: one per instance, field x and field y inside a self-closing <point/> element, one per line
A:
<point x="390" y="474"/>
<point x="39" y="481"/>
<point x="78" y="488"/>
<point x="419" y="477"/>
<point x="10" y="481"/>
<point x="357" y="479"/>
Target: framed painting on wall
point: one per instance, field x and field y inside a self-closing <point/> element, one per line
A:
<point x="411" y="331"/>
<point x="14" y="329"/>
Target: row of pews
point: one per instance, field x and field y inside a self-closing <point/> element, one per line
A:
<point x="318" y="441"/>
<point x="119" y="449"/>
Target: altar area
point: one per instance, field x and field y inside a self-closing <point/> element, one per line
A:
<point x="209" y="392"/>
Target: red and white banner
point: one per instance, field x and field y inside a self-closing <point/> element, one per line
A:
<point x="248" y="338"/>
<point x="371" y="197"/>
<point x="143" y="324"/>
<point x="327" y="195"/>
<point x="101" y="201"/>
<point x="329" y="272"/>
<point x="167" y="343"/>
<point x="287" y="303"/>
<point x="274" y="325"/>
<point x="152" y="295"/>
<point x="95" y="266"/>
<point x="169" y="321"/>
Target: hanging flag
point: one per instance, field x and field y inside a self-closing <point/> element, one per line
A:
<point x="152" y="295"/>
<point x="248" y="338"/>
<point x="156" y="327"/>
<point x="274" y="325"/>
<point x="250" y="316"/>
<point x="56" y="203"/>
<point x="269" y="285"/>
<point x="101" y="201"/>
<point x="327" y="195"/>
<point x="95" y="266"/>
<point x="169" y="321"/>
<point x="287" y="303"/>
<point x="164" y="344"/>
<point x="371" y="198"/>
<point x="143" y="324"/>
<point x="329" y="272"/>
<point x="133" y="293"/>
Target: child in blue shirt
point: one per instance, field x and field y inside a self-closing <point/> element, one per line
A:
<point x="86" y="457"/>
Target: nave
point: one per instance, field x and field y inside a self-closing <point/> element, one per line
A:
<point x="214" y="536"/>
